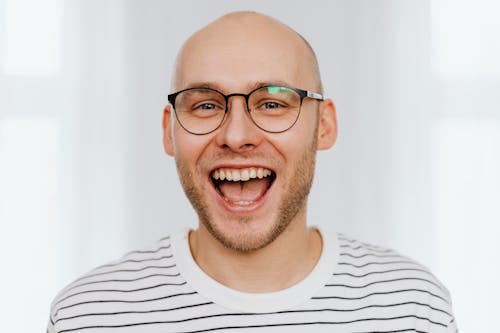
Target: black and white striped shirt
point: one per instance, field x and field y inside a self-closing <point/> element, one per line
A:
<point x="354" y="287"/>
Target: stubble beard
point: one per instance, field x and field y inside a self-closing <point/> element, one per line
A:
<point x="294" y="201"/>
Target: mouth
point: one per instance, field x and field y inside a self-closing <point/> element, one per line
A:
<point x="242" y="186"/>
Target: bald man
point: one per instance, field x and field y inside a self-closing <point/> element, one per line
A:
<point x="244" y="121"/>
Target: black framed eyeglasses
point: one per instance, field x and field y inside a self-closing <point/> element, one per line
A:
<point x="273" y="108"/>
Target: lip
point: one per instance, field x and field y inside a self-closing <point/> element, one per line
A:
<point x="236" y="209"/>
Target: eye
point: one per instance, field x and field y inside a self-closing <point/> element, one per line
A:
<point x="206" y="109"/>
<point x="271" y="105"/>
<point x="207" y="106"/>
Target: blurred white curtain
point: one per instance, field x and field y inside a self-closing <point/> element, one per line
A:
<point x="61" y="149"/>
<point x="83" y="177"/>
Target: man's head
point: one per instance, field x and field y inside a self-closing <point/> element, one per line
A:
<point x="236" y="54"/>
<point x="245" y="26"/>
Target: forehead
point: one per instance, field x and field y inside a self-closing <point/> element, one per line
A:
<point x="235" y="54"/>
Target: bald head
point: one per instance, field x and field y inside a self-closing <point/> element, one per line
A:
<point x="247" y="46"/>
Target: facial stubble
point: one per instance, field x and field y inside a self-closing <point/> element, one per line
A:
<point x="294" y="200"/>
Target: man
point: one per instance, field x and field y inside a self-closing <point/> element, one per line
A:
<point x="244" y="123"/>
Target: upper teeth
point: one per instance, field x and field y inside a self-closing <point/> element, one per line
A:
<point x="236" y="175"/>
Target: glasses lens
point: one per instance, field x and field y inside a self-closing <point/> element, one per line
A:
<point x="274" y="108"/>
<point x="200" y="110"/>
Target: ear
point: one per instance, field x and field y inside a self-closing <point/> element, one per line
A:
<point x="327" y="127"/>
<point x="168" y="143"/>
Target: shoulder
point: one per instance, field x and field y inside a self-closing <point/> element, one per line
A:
<point x="135" y="279"/>
<point x="379" y="277"/>
<point x="380" y="265"/>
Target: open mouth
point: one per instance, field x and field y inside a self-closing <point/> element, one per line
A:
<point x="244" y="186"/>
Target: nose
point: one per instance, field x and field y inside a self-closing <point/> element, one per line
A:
<point x="238" y="132"/>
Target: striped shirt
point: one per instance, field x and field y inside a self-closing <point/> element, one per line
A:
<point x="354" y="287"/>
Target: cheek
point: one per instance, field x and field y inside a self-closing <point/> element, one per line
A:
<point x="189" y="148"/>
<point x="294" y="142"/>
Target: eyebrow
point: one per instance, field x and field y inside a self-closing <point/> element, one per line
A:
<point x="251" y="86"/>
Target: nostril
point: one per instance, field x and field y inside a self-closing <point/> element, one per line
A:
<point x="244" y="147"/>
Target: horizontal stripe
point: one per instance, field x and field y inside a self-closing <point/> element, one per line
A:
<point x="358" y="247"/>
<point x="378" y="255"/>
<point x="164" y="247"/>
<point x="125" y="301"/>
<point x="366" y="245"/>
<point x="123" y="271"/>
<point x="396" y="331"/>
<point x="384" y="272"/>
<point x="364" y="308"/>
<point x="381" y="293"/>
<point x="385" y="281"/>
<point x="256" y="326"/>
<point x="134" y="312"/>
<point x="135" y="261"/>
<point x="378" y="263"/>
<point x="122" y="280"/>
<point x="120" y="290"/>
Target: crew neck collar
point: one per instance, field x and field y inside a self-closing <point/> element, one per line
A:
<point x="256" y="302"/>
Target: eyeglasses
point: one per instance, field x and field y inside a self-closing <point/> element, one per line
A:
<point x="273" y="109"/>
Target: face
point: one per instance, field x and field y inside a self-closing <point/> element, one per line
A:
<point x="270" y="174"/>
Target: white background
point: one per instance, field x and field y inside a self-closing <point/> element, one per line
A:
<point x="83" y="177"/>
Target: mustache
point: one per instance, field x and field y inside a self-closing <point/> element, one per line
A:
<point x="230" y="155"/>
<point x="222" y="157"/>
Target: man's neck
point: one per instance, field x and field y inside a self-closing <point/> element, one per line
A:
<point x="280" y="265"/>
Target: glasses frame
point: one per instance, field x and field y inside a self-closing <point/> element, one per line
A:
<point x="302" y="94"/>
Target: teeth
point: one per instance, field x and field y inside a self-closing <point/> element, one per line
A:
<point x="236" y="175"/>
<point x="260" y="173"/>
<point x="241" y="202"/>
<point x="244" y="203"/>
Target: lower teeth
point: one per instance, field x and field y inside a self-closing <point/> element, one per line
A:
<point x="241" y="203"/>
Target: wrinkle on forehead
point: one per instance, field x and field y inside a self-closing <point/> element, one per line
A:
<point x="239" y="27"/>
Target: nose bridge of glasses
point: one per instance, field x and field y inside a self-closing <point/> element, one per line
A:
<point x="235" y="116"/>
<point x="245" y="98"/>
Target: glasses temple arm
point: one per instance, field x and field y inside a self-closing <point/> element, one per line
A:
<point x="315" y="95"/>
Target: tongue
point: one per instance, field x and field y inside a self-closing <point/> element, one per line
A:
<point x="250" y="190"/>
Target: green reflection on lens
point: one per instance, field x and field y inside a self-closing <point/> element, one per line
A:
<point x="276" y="89"/>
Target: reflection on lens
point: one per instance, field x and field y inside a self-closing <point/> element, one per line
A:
<point x="274" y="108"/>
<point x="278" y="89"/>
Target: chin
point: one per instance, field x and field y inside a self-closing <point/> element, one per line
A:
<point x="244" y="234"/>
